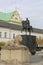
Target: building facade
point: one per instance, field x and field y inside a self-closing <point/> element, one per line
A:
<point x="8" y="31"/>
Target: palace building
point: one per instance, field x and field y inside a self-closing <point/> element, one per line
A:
<point x="8" y="30"/>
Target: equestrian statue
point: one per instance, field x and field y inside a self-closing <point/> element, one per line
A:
<point x="26" y="26"/>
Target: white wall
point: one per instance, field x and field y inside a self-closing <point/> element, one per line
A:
<point x="10" y="33"/>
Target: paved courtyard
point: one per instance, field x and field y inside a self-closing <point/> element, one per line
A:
<point x="37" y="59"/>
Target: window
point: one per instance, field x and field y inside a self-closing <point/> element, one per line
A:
<point x="5" y="34"/>
<point x="13" y="35"/>
<point x="0" y="34"/>
<point x="16" y="18"/>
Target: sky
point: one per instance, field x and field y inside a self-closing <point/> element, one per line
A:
<point x="31" y="9"/>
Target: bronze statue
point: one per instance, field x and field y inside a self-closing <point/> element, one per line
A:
<point x="26" y="26"/>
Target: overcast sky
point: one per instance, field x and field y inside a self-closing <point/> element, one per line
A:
<point x="33" y="9"/>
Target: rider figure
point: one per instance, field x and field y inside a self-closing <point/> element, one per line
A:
<point x="28" y="23"/>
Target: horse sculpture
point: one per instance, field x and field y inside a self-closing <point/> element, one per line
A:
<point x="26" y="26"/>
<point x="30" y="29"/>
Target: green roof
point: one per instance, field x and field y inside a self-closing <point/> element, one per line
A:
<point x="5" y="16"/>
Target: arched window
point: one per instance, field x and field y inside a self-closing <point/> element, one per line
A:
<point x="5" y="34"/>
<point x="0" y="34"/>
<point x="13" y="36"/>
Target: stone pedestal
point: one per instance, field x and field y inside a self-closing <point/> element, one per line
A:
<point x="16" y="55"/>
